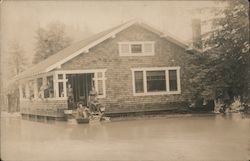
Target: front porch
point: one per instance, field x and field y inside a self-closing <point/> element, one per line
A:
<point x="47" y="94"/>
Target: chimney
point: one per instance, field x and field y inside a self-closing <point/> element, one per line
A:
<point x="196" y="29"/>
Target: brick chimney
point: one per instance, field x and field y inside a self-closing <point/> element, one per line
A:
<point x="196" y="29"/>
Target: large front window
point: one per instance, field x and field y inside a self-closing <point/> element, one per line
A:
<point x="149" y="81"/>
<point x="156" y="81"/>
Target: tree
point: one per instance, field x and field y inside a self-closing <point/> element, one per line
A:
<point x="17" y="59"/>
<point x="17" y="63"/>
<point x="225" y="62"/>
<point x="50" y="40"/>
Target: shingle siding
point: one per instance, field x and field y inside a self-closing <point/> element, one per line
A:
<point x="46" y="107"/>
<point x="119" y="89"/>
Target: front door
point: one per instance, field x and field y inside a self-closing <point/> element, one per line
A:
<point x="81" y="85"/>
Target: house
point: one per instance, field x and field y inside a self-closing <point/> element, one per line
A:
<point x="133" y="67"/>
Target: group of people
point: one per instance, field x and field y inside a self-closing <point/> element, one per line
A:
<point x="93" y="107"/>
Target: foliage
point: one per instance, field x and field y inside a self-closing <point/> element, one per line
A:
<point x="50" y="40"/>
<point x="225" y="63"/>
<point x="17" y="63"/>
<point x="17" y="59"/>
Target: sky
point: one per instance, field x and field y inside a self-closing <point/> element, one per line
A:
<point x="21" y="19"/>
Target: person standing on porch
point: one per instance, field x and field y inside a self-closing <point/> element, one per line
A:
<point x="70" y="96"/>
<point x="70" y="91"/>
<point x="93" y="99"/>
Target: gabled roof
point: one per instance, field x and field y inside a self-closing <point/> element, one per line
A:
<point x="56" y="60"/>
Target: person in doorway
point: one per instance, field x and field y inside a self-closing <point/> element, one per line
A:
<point x="70" y="96"/>
<point x="42" y="91"/>
<point x="69" y="91"/>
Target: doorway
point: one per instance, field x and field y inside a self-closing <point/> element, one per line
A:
<point x="81" y="85"/>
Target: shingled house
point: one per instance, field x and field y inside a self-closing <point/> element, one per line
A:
<point x="133" y="67"/>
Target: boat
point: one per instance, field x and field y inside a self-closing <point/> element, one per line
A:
<point x="73" y="117"/>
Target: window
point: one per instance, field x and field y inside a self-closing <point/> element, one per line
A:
<point x="22" y="91"/>
<point x="31" y="89"/>
<point x="49" y="91"/>
<point x="100" y="87"/>
<point x="156" y="81"/>
<point x="172" y="80"/>
<point x="135" y="48"/>
<point x="60" y="88"/>
<point x="139" y="82"/>
<point x="99" y="80"/>
<point x="39" y="87"/>
<point x="150" y="81"/>
<point x="61" y="84"/>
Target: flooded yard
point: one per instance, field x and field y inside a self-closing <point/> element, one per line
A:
<point x="177" y="138"/>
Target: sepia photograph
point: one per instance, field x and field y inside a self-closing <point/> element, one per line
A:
<point x="124" y="80"/>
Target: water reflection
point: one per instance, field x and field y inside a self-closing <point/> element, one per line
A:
<point x="200" y="138"/>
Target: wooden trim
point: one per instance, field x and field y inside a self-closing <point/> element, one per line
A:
<point x="167" y="80"/>
<point x="95" y="71"/>
<point x="36" y="76"/>
<point x="80" y="71"/>
<point x="145" y="87"/>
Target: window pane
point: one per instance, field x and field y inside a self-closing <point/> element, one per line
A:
<point x="139" y="82"/>
<point x="60" y="87"/>
<point x="31" y="87"/>
<point x="156" y="81"/>
<point x="60" y="76"/>
<point x="100" y="87"/>
<point x="172" y="80"/>
<point x="49" y="91"/>
<point x="39" y="87"/>
<point x="136" y="48"/>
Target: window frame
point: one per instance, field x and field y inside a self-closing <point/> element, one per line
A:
<point x="143" y="53"/>
<point x="166" y="69"/>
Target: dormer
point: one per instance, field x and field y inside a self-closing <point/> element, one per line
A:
<point x="137" y="48"/>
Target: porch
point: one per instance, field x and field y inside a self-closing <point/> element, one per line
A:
<point x="49" y="94"/>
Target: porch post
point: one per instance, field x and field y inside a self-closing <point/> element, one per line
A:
<point x="55" y="81"/>
<point x="43" y="84"/>
<point x="35" y="88"/>
<point x="65" y="85"/>
<point x="96" y="82"/>
<point x="20" y="91"/>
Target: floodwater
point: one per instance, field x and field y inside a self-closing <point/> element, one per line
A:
<point x="176" y="138"/>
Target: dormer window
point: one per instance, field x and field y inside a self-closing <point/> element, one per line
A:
<point x="142" y="48"/>
<point x="136" y="48"/>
